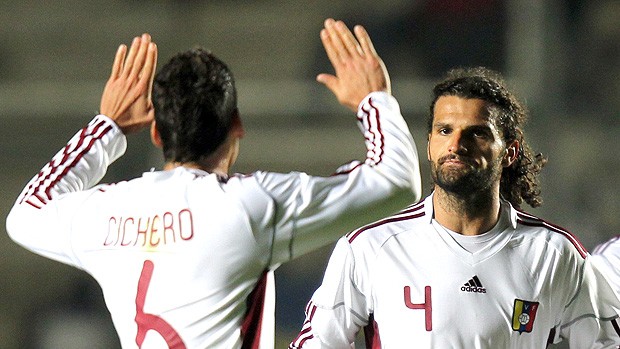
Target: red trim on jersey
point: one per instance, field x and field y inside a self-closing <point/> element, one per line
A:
<point x="347" y="171"/>
<point x="381" y="149"/>
<point x="413" y="208"/>
<point x="252" y="323"/>
<point x="312" y="311"/>
<point x="397" y="218"/>
<point x="306" y="331"/>
<point x="374" y="136"/>
<point x="41" y="200"/>
<point x="75" y="161"/>
<point x="533" y="221"/>
<point x="302" y="337"/>
<point x="66" y="152"/>
<point x="33" y="205"/>
<point x="371" y="334"/>
<point x="38" y="186"/>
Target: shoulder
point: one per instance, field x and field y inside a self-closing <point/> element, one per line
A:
<point x="265" y="178"/>
<point x="541" y="231"/>
<point x="379" y="232"/>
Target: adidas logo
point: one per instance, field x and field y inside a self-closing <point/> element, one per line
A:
<point x="474" y="285"/>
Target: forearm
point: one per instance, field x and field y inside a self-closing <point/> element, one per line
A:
<point x="390" y="146"/>
<point x="79" y="165"/>
<point x="39" y="220"/>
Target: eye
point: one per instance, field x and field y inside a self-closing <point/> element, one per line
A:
<point x="444" y="131"/>
<point x="482" y="133"/>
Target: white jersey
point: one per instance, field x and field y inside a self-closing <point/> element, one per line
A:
<point x="185" y="257"/>
<point x="410" y="284"/>
<point x="606" y="257"/>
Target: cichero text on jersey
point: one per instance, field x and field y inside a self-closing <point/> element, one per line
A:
<point x="150" y="231"/>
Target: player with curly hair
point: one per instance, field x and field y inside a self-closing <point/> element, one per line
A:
<point x="465" y="267"/>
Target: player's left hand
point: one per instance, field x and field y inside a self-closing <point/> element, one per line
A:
<point x="126" y="98"/>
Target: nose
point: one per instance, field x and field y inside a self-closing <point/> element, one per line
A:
<point x="457" y="143"/>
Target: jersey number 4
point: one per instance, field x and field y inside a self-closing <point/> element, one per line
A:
<point x="427" y="305"/>
<point x="152" y="322"/>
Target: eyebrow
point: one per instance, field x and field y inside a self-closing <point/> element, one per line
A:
<point x="440" y="124"/>
<point x="486" y="128"/>
<point x="480" y="128"/>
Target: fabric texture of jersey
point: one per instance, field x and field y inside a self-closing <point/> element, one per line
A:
<point x="184" y="257"/>
<point x="409" y="284"/>
<point x="606" y="257"/>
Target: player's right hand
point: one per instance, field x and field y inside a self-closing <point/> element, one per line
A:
<point x="126" y="98"/>
<point x="359" y="69"/>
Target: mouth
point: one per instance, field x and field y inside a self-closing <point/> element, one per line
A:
<point x="452" y="160"/>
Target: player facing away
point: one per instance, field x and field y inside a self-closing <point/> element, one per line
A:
<point x="465" y="267"/>
<point x="185" y="255"/>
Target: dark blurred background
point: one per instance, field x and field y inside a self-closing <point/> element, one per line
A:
<point x="561" y="56"/>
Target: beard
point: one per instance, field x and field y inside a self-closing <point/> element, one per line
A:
<point x="465" y="181"/>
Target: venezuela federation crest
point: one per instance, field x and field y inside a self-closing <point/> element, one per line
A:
<point x="523" y="315"/>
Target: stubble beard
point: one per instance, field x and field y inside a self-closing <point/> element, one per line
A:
<point x="465" y="182"/>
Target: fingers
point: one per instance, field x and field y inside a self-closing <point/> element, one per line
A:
<point x="131" y="56"/>
<point x="331" y="51"/>
<point x="338" y="51"/>
<point x="358" y="68"/>
<point x="141" y="56"/>
<point x="119" y="60"/>
<point x="137" y="64"/>
<point x="149" y="67"/>
<point x="327" y="80"/>
<point x="343" y="43"/>
<point x="364" y="40"/>
<point x="348" y="40"/>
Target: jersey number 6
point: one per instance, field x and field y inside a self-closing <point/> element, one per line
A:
<point x="153" y="322"/>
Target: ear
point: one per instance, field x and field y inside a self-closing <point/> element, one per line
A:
<point x="428" y="148"/>
<point x="155" y="137"/>
<point x="511" y="153"/>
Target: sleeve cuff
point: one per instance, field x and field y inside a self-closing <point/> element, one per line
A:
<point x="114" y="140"/>
<point x="378" y="96"/>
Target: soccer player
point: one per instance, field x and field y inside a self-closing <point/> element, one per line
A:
<point x="465" y="267"/>
<point x="185" y="256"/>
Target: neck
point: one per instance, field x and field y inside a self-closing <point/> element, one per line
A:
<point x="471" y="215"/>
<point x="218" y="162"/>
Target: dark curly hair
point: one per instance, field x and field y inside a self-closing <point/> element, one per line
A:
<point x="195" y="100"/>
<point x="520" y="181"/>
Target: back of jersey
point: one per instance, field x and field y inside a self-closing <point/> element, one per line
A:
<point x="175" y="255"/>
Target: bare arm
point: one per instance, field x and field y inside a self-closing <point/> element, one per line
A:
<point x="126" y="98"/>
<point x="359" y="69"/>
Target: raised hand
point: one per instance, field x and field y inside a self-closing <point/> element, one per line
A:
<point x="126" y="98"/>
<point x="359" y="70"/>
